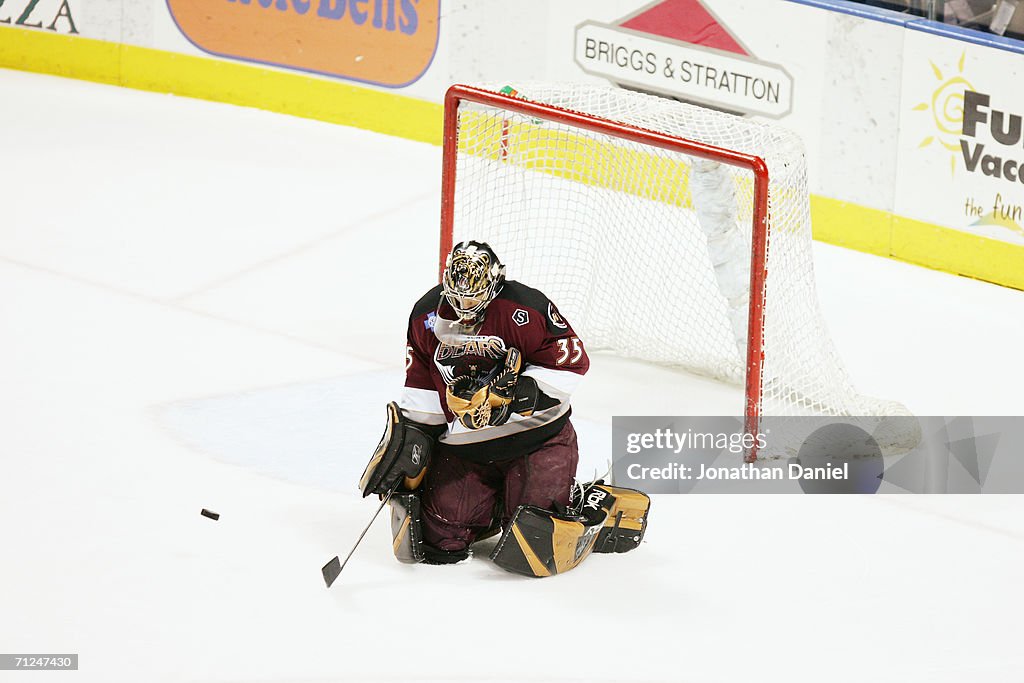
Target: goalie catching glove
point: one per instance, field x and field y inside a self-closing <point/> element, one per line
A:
<point x="402" y="456"/>
<point x="478" y="405"/>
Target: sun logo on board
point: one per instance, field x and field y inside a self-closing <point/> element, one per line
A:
<point x="947" y="110"/>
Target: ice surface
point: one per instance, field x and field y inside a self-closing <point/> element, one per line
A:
<point x="204" y="306"/>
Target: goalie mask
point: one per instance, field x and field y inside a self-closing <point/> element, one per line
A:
<point x="473" y="276"/>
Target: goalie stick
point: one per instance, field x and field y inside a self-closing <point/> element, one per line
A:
<point x="332" y="570"/>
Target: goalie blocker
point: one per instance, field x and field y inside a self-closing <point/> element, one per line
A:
<point x="401" y="457"/>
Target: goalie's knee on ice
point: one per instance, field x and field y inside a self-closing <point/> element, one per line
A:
<point x="406" y="527"/>
<point x="407" y="534"/>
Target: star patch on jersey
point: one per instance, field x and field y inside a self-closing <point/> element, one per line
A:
<point x="520" y="317"/>
<point x="556" y="319"/>
<point x="430" y="321"/>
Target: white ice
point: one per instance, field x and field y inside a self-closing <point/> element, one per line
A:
<point x="204" y="306"/>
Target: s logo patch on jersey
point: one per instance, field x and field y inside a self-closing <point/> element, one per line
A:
<point x="556" y="319"/>
<point x="520" y="317"/>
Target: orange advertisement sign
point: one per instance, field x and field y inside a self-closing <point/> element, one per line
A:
<point x="384" y="42"/>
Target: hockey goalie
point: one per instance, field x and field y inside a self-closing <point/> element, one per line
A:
<point x="481" y="439"/>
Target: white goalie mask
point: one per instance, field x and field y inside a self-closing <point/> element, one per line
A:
<point x="473" y="276"/>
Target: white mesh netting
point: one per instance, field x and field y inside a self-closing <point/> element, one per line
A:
<point x="647" y="251"/>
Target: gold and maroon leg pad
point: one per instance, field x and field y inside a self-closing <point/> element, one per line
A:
<point x="541" y="543"/>
<point x="406" y="528"/>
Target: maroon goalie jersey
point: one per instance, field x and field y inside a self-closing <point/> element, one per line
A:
<point x="519" y="317"/>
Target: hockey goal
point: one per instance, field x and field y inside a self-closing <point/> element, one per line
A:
<point x="664" y="231"/>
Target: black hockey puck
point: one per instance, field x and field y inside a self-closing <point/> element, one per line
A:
<point x="209" y="513"/>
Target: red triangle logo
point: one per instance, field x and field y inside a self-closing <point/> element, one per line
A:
<point x="688" y="21"/>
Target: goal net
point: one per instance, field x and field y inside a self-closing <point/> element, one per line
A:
<point x="664" y="231"/>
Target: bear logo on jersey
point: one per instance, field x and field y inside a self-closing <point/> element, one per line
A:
<point x="556" y="319"/>
<point x="477" y="356"/>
